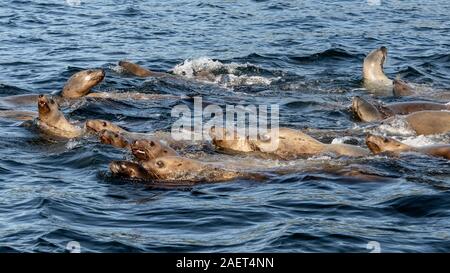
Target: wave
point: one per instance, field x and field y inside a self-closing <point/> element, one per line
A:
<point x="329" y="54"/>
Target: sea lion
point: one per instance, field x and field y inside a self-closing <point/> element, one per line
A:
<point x="401" y="88"/>
<point x="51" y="120"/>
<point x="374" y="78"/>
<point x="373" y="72"/>
<point x="139" y="71"/>
<point x="131" y="96"/>
<point x="129" y="170"/>
<point x="98" y="125"/>
<point x="379" y="144"/>
<point x="291" y="144"/>
<point x="369" y="112"/>
<point x="77" y="86"/>
<point x="429" y="122"/>
<point x="145" y="149"/>
<point x="82" y="82"/>
<point x="177" y="168"/>
<point x="117" y="140"/>
<point x="18" y="115"/>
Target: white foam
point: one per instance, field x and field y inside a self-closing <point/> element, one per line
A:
<point x="209" y="70"/>
<point x="72" y="144"/>
<point x="231" y="80"/>
<point x="117" y="68"/>
<point x="341" y="140"/>
<point x="418" y="141"/>
<point x="396" y="126"/>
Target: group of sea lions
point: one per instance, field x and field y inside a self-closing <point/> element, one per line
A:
<point x="160" y="157"/>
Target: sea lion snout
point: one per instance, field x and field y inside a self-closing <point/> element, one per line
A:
<point x="44" y="106"/>
<point x="97" y="75"/>
<point x="144" y="149"/>
<point x="81" y="83"/>
<point x="128" y="169"/>
<point x="372" y="142"/>
<point x="105" y="137"/>
<point x="365" y="111"/>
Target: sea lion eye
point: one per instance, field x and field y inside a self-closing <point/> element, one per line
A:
<point x="152" y="143"/>
<point x="116" y="135"/>
<point x="165" y="151"/>
<point x="52" y="101"/>
<point x="104" y="124"/>
<point x="160" y="164"/>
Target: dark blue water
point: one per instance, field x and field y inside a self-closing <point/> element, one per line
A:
<point x="304" y="55"/>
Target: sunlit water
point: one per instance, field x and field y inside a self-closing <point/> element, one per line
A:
<point x="305" y="56"/>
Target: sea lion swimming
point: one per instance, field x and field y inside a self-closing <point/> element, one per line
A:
<point x="98" y="125"/>
<point x="291" y="144"/>
<point x="138" y="70"/>
<point x="18" y="115"/>
<point x="129" y="170"/>
<point x="374" y="78"/>
<point x="145" y="149"/>
<point x="369" y="112"/>
<point x="115" y="139"/>
<point x="51" y="120"/>
<point x="177" y="168"/>
<point x="82" y="82"/>
<point x="401" y="88"/>
<point x="428" y="122"/>
<point x="373" y="72"/>
<point x="379" y="144"/>
<point x="77" y="86"/>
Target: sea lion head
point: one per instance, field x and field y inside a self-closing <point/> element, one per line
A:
<point x="146" y="150"/>
<point x="401" y="88"/>
<point x="364" y="110"/>
<point x="81" y="83"/>
<point x="128" y="169"/>
<point x="379" y="144"/>
<point x="48" y="109"/>
<point x="112" y="138"/>
<point x="173" y="168"/>
<point x="232" y="141"/>
<point x="97" y="125"/>
<point x="134" y="69"/>
<point x="373" y="71"/>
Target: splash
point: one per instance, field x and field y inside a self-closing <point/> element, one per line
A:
<point x="213" y="71"/>
<point x="72" y="144"/>
<point x="342" y="140"/>
<point x="418" y="141"/>
<point x="117" y="68"/>
<point x="396" y="126"/>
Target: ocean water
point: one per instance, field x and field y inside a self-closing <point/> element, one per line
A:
<point x="306" y="56"/>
